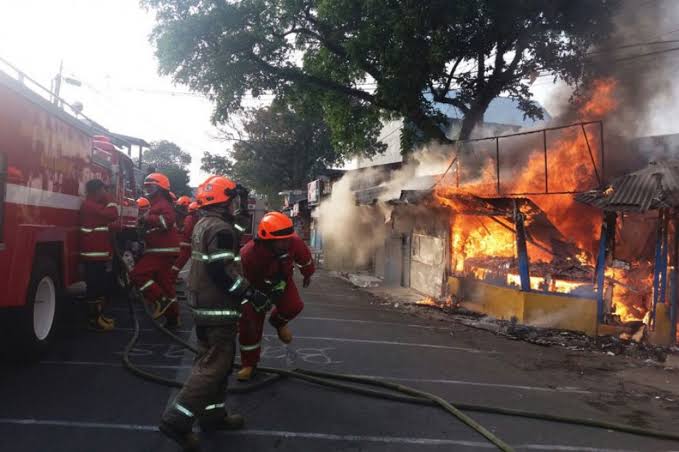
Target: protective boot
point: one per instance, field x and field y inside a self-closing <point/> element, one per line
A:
<point x="160" y="306"/>
<point x="109" y="320"/>
<point x="100" y="309"/>
<point x="228" y="422"/>
<point x="245" y="374"/>
<point x="96" y="322"/>
<point x="99" y="324"/>
<point x="188" y="441"/>
<point x="284" y="334"/>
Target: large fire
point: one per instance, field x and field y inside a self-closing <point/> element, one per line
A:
<point x="484" y="246"/>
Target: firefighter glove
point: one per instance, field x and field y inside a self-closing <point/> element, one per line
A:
<point x="277" y="290"/>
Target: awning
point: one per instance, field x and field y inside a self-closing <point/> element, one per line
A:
<point x="651" y="188"/>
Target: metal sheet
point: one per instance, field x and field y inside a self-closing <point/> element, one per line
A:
<point x="653" y="187"/>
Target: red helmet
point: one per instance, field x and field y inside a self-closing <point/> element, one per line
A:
<point x="193" y="207"/>
<point x="143" y="203"/>
<point x="215" y="190"/>
<point x="159" y="180"/>
<point x="184" y="201"/>
<point x="275" y="225"/>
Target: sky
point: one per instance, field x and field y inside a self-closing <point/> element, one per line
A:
<point x="104" y="44"/>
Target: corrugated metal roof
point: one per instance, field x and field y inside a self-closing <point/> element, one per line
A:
<point x="413" y="190"/>
<point x="653" y="187"/>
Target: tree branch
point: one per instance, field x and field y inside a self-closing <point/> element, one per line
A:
<point x="336" y="47"/>
<point x="295" y="75"/>
<point x="481" y="69"/>
<point x="443" y="98"/>
<point x="452" y="74"/>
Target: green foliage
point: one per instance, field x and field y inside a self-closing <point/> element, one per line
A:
<point x="286" y="145"/>
<point x="169" y="159"/>
<point x="367" y="60"/>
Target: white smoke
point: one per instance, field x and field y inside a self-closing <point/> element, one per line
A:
<point x="352" y="233"/>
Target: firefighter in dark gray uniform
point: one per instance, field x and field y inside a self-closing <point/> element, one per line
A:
<point x="217" y="290"/>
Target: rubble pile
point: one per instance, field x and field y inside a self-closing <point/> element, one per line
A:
<point x="630" y="344"/>
<point x="610" y="345"/>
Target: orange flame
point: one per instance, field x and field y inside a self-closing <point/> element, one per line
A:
<point x="570" y="158"/>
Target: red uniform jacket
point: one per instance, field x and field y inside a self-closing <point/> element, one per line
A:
<point x="161" y="235"/>
<point x="185" y="245"/>
<point x="95" y="223"/>
<point x="260" y="265"/>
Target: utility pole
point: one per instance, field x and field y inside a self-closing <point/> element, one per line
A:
<point x="57" y="84"/>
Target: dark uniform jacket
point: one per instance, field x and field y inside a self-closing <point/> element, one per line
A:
<point x="216" y="283"/>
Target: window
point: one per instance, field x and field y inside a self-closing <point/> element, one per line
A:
<point x="3" y="188"/>
<point x="129" y="183"/>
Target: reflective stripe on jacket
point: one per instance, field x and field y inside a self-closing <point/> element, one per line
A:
<point x="214" y="303"/>
<point x="161" y="236"/>
<point x="95" y="236"/>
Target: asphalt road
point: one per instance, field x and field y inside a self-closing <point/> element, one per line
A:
<point x="80" y="398"/>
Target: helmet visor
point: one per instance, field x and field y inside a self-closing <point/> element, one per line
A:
<point x="236" y="205"/>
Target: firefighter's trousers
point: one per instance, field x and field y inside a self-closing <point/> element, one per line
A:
<point x="204" y="392"/>
<point x="251" y="324"/>
<point x="153" y="277"/>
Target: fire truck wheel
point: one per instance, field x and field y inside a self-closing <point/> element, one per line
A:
<point x="40" y="312"/>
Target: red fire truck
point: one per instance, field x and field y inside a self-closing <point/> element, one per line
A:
<point x="46" y="157"/>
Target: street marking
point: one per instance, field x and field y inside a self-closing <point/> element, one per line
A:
<point x="308" y="435"/>
<point x="374" y="322"/>
<point x="377" y="377"/>
<point x="402" y="344"/>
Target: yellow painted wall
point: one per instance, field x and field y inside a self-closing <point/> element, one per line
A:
<point x="559" y="311"/>
<point x="496" y="301"/>
<point x="662" y="333"/>
<point x="546" y="310"/>
<point x="531" y="308"/>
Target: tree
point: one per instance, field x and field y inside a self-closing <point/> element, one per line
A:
<point x="168" y="158"/>
<point x="367" y="60"/>
<point x="282" y="148"/>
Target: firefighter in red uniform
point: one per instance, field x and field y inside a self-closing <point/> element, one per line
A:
<point x="182" y="209"/>
<point x="152" y="275"/>
<point x="268" y="263"/>
<point x="143" y="206"/>
<point x="185" y="245"/>
<point x="97" y="214"/>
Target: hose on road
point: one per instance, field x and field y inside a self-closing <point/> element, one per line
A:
<point x="398" y="392"/>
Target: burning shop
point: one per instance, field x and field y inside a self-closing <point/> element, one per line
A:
<point x="521" y="246"/>
<point x="636" y="264"/>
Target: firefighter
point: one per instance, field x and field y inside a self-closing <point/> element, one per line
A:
<point x="97" y="215"/>
<point x="152" y="274"/>
<point x="217" y="290"/>
<point x="143" y="205"/>
<point x="268" y="262"/>
<point x="185" y="245"/>
<point x="182" y="209"/>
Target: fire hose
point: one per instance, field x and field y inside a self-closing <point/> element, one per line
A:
<point x="361" y="385"/>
